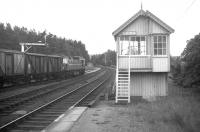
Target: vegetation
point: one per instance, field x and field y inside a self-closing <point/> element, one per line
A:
<point x="11" y="37"/>
<point x="107" y="59"/>
<point x="187" y="68"/>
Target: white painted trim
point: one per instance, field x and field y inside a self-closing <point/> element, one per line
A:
<point x="134" y="55"/>
<point x="160" y="56"/>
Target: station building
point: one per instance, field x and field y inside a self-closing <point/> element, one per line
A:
<point x="143" y="57"/>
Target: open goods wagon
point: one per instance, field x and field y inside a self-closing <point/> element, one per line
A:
<point x="17" y="67"/>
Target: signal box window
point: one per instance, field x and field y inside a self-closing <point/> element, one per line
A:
<point x="160" y="43"/>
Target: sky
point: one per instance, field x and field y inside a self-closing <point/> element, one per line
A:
<point x="93" y="21"/>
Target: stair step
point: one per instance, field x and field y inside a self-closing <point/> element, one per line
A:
<point x="123" y="94"/>
<point x="119" y="96"/>
<point x="122" y="99"/>
<point x="122" y="91"/>
<point x="123" y="81"/>
<point x="122" y="84"/>
<point x="123" y="87"/>
<point x="123" y="77"/>
<point x="123" y="70"/>
<point x="123" y="73"/>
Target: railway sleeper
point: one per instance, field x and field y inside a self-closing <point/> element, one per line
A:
<point x="59" y="111"/>
<point x="47" y="115"/>
<point x="52" y="112"/>
<point x="30" y="127"/>
<point x="42" y="118"/>
<point x="45" y="123"/>
<point x="60" y="107"/>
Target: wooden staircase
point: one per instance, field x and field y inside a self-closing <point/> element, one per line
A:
<point x="123" y="84"/>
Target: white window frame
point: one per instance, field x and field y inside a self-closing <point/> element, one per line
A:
<point x="161" y="50"/>
<point x="121" y="45"/>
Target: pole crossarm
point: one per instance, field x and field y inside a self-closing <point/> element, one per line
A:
<point x="26" y="46"/>
<point x="31" y="44"/>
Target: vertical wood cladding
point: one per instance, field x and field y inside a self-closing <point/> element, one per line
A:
<point x="148" y="84"/>
<point x="136" y="62"/>
<point x="160" y="64"/>
<point x="144" y="26"/>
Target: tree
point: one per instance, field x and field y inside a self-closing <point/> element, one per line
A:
<point x="107" y="59"/>
<point x="11" y="37"/>
<point x="190" y="63"/>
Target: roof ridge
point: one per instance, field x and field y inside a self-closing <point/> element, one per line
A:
<point x="158" y="19"/>
<point x="141" y="12"/>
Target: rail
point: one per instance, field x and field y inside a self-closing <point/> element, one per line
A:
<point x="14" y="122"/>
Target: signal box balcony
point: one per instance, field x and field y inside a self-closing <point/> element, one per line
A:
<point x="143" y="63"/>
<point x="137" y="63"/>
<point x="145" y="53"/>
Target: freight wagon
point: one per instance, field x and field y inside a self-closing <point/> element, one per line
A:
<point x="18" y="67"/>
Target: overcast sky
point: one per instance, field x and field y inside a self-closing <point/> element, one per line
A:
<point x="93" y="21"/>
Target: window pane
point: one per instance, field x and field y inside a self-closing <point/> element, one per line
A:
<point x="125" y="47"/>
<point x="155" y="39"/>
<point x="164" y="45"/>
<point x="142" y="43"/>
<point x="164" y="51"/>
<point x="132" y="38"/>
<point x="164" y="39"/>
<point x="142" y="51"/>
<point x="159" y="51"/>
<point x="155" y="45"/>
<point x="159" y="39"/>
<point x="159" y="45"/>
<point x="127" y="38"/>
<point x="135" y="44"/>
<point x="121" y="38"/>
<point x="155" y="51"/>
<point x="142" y="38"/>
<point x="137" y="38"/>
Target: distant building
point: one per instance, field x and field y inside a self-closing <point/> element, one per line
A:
<point x="143" y="57"/>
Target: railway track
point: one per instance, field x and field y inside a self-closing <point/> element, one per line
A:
<point x="36" y="83"/>
<point x="41" y="117"/>
<point x="36" y="98"/>
<point x="95" y="94"/>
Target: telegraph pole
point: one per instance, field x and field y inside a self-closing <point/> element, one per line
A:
<point x="26" y="46"/>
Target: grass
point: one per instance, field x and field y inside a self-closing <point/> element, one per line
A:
<point x="178" y="112"/>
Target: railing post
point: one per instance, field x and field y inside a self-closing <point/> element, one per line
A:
<point x="129" y="73"/>
<point x="117" y="69"/>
